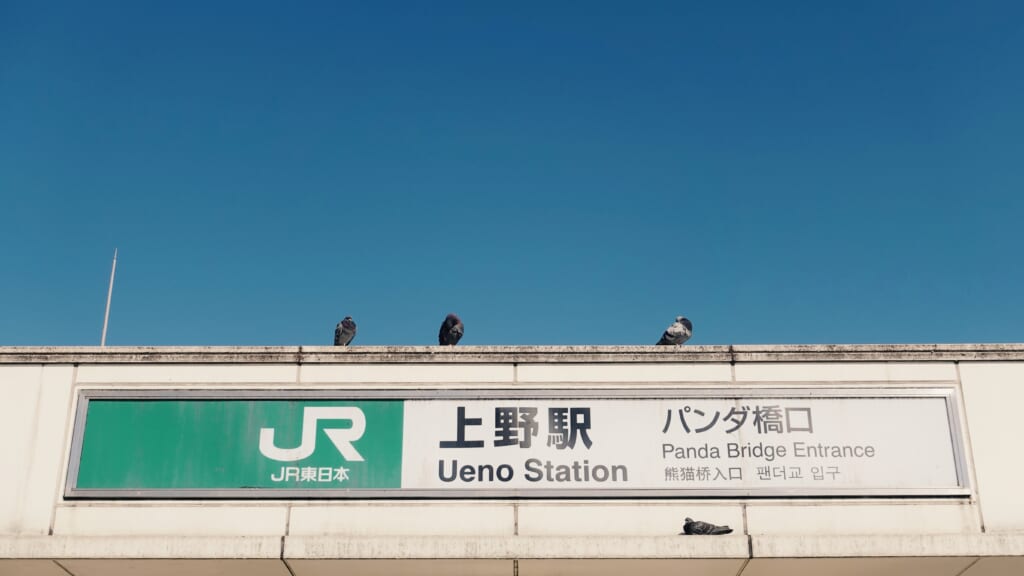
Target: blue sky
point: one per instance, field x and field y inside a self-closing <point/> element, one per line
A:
<point x="554" y="172"/>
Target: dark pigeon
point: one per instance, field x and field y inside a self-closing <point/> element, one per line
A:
<point x="344" y="332"/>
<point x="679" y="332"/>
<point x="451" y="331"/>
<point x="696" y="527"/>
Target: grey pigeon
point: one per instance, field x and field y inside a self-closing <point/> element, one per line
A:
<point x="451" y="331"/>
<point x="344" y="332"/>
<point x="679" y="332"/>
<point x="696" y="527"/>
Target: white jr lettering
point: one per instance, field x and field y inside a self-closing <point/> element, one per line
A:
<point x="341" y="437"/>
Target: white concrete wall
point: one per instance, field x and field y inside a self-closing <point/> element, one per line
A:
<point x="994" y="401"/>
<point x="35" y="421"/>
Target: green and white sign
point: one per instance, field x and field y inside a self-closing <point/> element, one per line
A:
<point x="503" y="443"/>
<point x="176" y="444"/>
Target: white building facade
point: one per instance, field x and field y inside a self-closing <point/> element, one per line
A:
<point x="310" y="461"/>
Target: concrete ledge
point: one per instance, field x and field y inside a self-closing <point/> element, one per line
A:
<point x="174" y="567"/>
<point x="799" y="518"/>
<point x="511" y="548"/>
<point x="505" y="354"/>
<point x="515" y="547"/>
<point x="876" y="352"/>
<point x="158" y="520"/>
<point x="149" y="354"/>
<point x="640" y="520"/>
<point x="358" y="354"/>
<point x="888" y="545"/>
<point x="369" y="548"/>
<point x="515" y="354"/>
<point x="140" y="547"/>
<point x="397" y="520"/>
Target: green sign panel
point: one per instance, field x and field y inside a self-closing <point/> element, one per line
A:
<point x="208" y="445"/>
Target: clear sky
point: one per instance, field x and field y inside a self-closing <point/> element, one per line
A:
<point x="554" y="172"/>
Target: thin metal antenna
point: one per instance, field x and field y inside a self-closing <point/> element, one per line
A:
<point x="110" y="292"/>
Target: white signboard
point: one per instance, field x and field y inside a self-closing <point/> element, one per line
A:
<point x="705" y="444"/>
<point x="622" y="442"/>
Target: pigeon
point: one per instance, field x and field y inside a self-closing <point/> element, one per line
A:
<point x="344" y="332"/>
<point x="679" y="332"/>
<point x="696" y="527"/>
<point x="451" y="331"/>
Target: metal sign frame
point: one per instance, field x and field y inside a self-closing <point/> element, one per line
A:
<point x="946" y="391"/>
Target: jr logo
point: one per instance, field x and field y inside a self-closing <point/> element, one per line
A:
<point x="341" y="437"/>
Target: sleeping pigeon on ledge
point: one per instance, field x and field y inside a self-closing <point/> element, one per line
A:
<point x="696" y="527"/>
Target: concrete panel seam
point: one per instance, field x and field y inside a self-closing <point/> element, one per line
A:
<point x="743" y="567"/>
<point x="746" y="523"/>
<point x="283" y="561"/>
<point x="968" y="567"/>
<point x="515" y="519"/>
<point x="62" y="472"/>
<point x="63" y="567"/>
<point x="21" y="511"/>
<point x="969" y="448"/>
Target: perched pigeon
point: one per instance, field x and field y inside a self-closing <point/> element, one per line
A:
<point x="696" y="527"/>
<point x="679" y="332"/>
<point x="344" y="332"/>
<point x="451" y="331"/>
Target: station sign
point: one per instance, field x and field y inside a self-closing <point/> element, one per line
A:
<point x="627" y="443"/>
